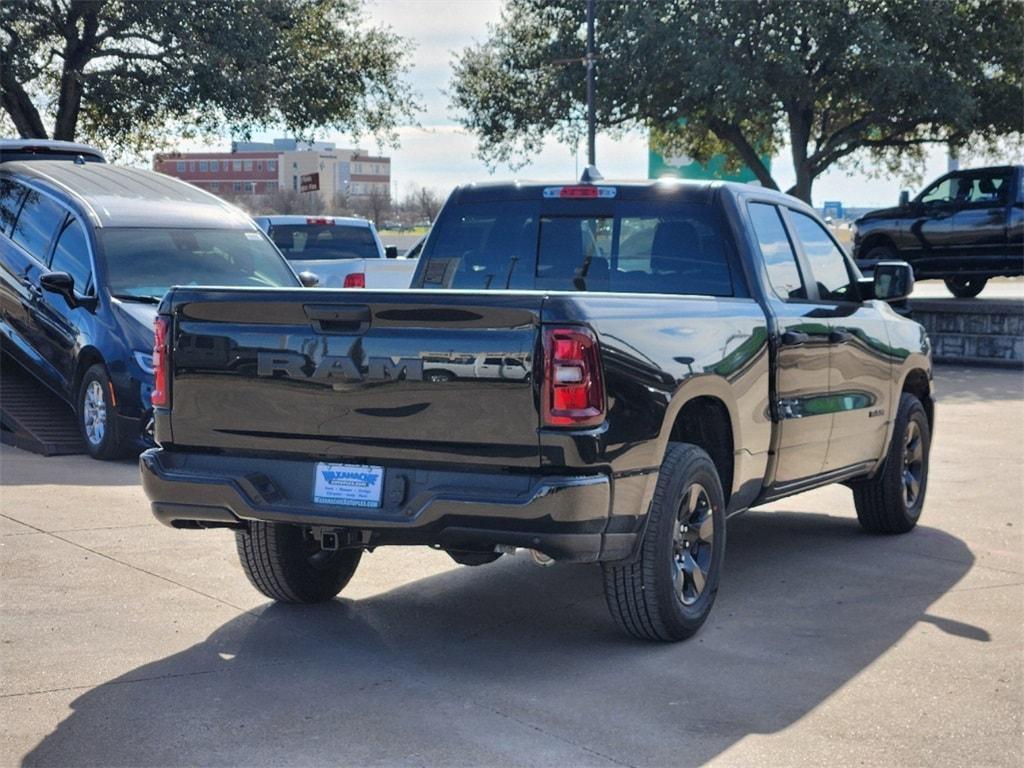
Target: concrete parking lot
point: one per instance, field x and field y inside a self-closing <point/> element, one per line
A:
<point x="126" y="643"/>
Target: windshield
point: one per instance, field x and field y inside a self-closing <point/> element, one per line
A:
<point x="145" y="263"/>
<point x="306" y="242"/>
<point x="630" y="246"/>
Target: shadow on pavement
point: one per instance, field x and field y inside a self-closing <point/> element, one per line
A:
<point x="510" y="663"/>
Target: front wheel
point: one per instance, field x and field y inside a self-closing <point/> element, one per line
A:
<point x="97" y="417"/>
<point x="667" y="592"/>
<point x="891" y="502"/>
<point x="287" y="564"/>
<point x="965" y="287"/>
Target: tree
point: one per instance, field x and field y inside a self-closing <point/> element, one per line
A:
<point x="838" y="81"/>
<point x="123" y="73"/>
<point x="429" y="203"/>
<point x="375" y="205"/>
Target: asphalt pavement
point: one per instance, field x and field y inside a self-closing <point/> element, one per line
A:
<point x="126" y="643"/>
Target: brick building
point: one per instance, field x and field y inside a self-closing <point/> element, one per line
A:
<point x="258" y="168"/>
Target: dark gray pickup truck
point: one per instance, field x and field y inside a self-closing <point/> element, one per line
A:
<point x="596" y="372"/>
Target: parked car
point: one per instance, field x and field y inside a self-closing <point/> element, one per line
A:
<point x="86" y="252"/>
<point x="693" y="349"/>
<point x="12" y="150"/>
<point x="964" y="228"/>
<point x="342" y="252"/>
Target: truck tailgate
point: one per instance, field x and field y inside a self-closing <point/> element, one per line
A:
<point x="364" y="376"/>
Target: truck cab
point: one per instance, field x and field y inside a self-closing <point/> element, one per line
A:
<point x="964" y="228"/>
<point x="687" y="350"/>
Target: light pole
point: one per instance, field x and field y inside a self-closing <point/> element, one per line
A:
<point x="591" y="108"/>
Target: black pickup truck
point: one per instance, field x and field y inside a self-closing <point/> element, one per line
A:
<point x="686" y="351"/>
<point x="963" y="228"/>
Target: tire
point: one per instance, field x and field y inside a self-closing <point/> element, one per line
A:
<point x="286" y="563"/>
<point x="891" y="502"/>
<point x="438" y="377"/>
<point x="97" y="416"/>
<point x="655" y="597"/>
<point x="965" y="287"/>
<point x="881" y="253"/>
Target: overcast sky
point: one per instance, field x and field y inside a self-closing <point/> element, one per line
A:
<point x="437" y="153"/>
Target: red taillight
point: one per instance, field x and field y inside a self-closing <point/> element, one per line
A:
<point x="313" y="220"/>
<point x="355" y="280"/>
<point x="161" y="336"/>
<point x="572" y="393"/>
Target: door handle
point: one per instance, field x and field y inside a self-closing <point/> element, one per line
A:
<point x="793" y="338"/>
<point x="839" y="335"/>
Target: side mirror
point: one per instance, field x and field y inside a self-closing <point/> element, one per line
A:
<point x="390" y="251"/>
<point x="60" y="283"/>
<point x="904" y="198"/>
<point x="894" y="280"/>
<point x="309" y="279"/>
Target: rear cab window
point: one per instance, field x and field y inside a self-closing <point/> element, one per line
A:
<point x="324" y="241"/>
<point x="625" y="246"/>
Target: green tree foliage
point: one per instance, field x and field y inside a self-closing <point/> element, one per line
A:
<point x="837" y="81"/>
<point x="123" y="72"/>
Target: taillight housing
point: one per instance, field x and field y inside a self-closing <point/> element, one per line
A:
<point x="572" y="392"/>
<point x="355" y="280"/>
<point x="161" y="396"/>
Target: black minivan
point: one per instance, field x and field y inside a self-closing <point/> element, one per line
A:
<point x="87" y="250"/>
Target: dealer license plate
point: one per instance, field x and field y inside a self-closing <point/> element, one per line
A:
<point x="349" y="485"/>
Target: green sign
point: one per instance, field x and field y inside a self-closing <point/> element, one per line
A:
<point x="684" y="167"/>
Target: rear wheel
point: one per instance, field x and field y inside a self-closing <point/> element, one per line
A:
<point x="97" y="416"/>
<point x="286" y="563"/>
<point x="966" y="287"/>
<point x="891" y="502"/>
<point x="667" y="592"/>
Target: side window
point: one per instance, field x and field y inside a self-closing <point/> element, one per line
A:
<point x="72" y="256"/>
<point x="941" y="192"/>
<point x="40" y="216"/>
<point x="827" y="262"/>
<point x="983" y="190"/>
<point x="11" y="195"/>
<point x="777" y="252"/>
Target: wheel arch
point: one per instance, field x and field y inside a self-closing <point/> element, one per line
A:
<point x="88" y="357"/>
<point x="704" y="416"/>
<point x="917" y="383"/>
<point x="875" y="240"/>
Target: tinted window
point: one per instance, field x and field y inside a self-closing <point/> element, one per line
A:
<point x="642" y="247"/>
<point x="72" y="256"/>
<point x="11" y="195"/>
<point x="827" y="262"/>
<point x="38" y="221"/>
<point x="484" y="245"/>
<point x="324" y="241"/>
<point x="146" y="262"/>
<point x="777" y="252"/>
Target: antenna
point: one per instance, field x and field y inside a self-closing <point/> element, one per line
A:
<point x="590" y="175"/>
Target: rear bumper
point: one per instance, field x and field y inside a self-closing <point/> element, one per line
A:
<point x="566" y="517"/>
